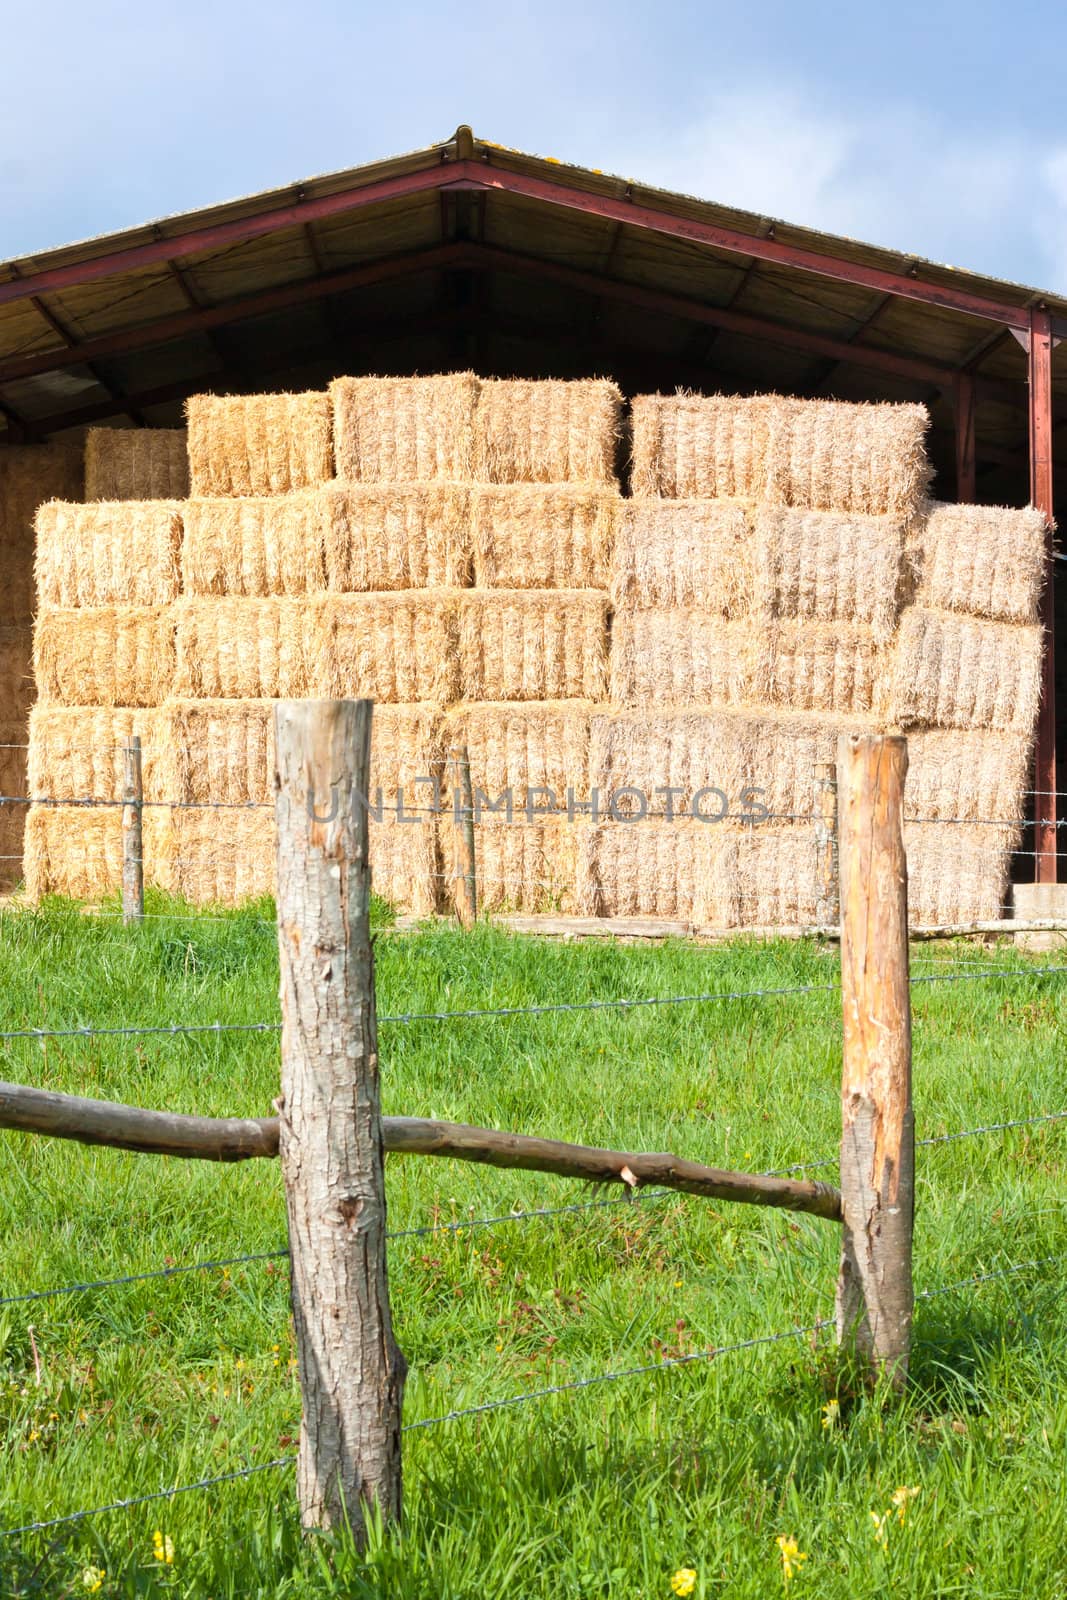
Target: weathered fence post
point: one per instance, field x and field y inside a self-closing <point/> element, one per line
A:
<point x="829" y="904"/>
<point x="464" y="885"/>
<point x="874" y="1291"/>
<point x="351" y="1371"/>
<point x="132" y="834"/>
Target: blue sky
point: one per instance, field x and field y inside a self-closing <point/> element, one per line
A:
<point x="935" y="129"/>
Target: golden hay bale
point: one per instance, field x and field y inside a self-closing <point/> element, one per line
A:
<point x="17" y="692"/>
<point x="395" y="536"/>
<point x="546" y="431"/>
<point x="78" y="752"/>
<point x="258" y="444"/>
<point x="124" y="553"/>
<point x="519" y="866"/>
<point x="825" y="566"/>
<point x="30" y="475"/>
<point x="681" y="869"/>
<point x="783" y="749"/>
<point x="778" y="878"/>
<point x="681" y="657"/>
<point x="685" y="553"/>
<point x="986" y="561"/>
<point x="819" y="455"/>
<point x="397" y="647"/>
<point x="105" y="655"/>
<point x="214" y="856"/>
<point x="669" y="756"/>
<point x="413" y="430"/>
<point x="529" y="644"/>
<point x="405" y="866"/>
<point x="242" y="649"/>
<point x="964" y="672"/>
<point x="136" y="464"/>
<point x="529" y="745"/>
<point x="957" y="874"/>
<point x="826" y="666"/>
<point x="976" y="774"/>
<point x="77" y="850"/>
<point x="538" y="536"/>
<point x="263" y="545"/>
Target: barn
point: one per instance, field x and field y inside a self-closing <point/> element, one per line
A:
<point x="469" y="258"/>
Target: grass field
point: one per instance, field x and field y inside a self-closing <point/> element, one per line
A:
<point x="604" y="1491"/>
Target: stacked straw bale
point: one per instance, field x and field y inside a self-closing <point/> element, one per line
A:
<point x="533" y="644"/>
<point x="108" y="553"/>
<point x="681" y="869"/>
<point x="543" y="536"/>
<point x="953" y="671"/>
<point x="240" y="649"/>
<point x="398" y="647"/>
<point x="546" y="432"/>
<point x="674" y="554"/>
<point x="258" y="444"/>
<point x="407" y="430"/>
<point x="384" y="536"/>
<point x="524" y="747"/>
<point x="115" y="655"/>
<point x="522" y="866"/>
<point x="958" y="874"/>
<point x="983" y="561"/>
<point x="253" y="547"/>
<point x="136" y="464"/>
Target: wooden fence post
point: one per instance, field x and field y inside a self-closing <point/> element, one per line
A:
<point x="829" y="904"/>
<point x="132" y="834"/>
<point x="330" y="1137"/>
<point x="874" y="1291"/>
<point x="464" y="885"/>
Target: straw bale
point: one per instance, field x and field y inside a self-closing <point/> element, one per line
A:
<point x="12" y="844"/>
<point x="660" y="750"/>
<point x="405" y="866"/>
<point x="395" y="536"/>
<point x="413" y="430"/>
<point x="827" y="566"/>
<point x="777" y="877"/>
<point x="258" y="444"/>
<point x="17" y="692"/>
<point x="986" y="561"/>
<point x="397" y="647"/>
<point x="113" y="552"/>
<point x="957" y="874"/>
<point x="77" y="850"/>
<point x="105" y="655"/>
<point x="964" y="672"/>
<point x="525" y="746"/>
<point x="529" y="644"/>
<point x="77" y="752"/>
<point x="974" y="774"/>
<point x="546" y="431"/>
<point x="263" y="545"/>
<point x="819" y="455"/>
<point x="29" y="475"/>
<point x="243" y="649"/>
<point x="519" y="865"/>
<point x="136" y="464"/>
<point x="212" y="856"/>
<point x="682" y="869"/>
<point x="685" y="553"/>
<point x="827" y="666"/>
<point x="537" y="536"/>
<point x="783" y="749"/>
<point x="681" y="657"/>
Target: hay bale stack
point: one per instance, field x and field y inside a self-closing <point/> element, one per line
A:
<point x="538" y="536"/>
<point x="77" y="752"/>
<point x="531" y="745"/>
<point x="957" y="874"/>
<point x="242" y="649"/>
<point x="520" y="866"/>
<point x="777" y="877"/>
<point x="258" y="444"/>
<point x="684" y="751"/>
<point x="398" y="647"/>
<point x="105" y="655"/>
<point x="213" y="856"/>
<point x="826" y="566"/>
<point x="77" y="851"/>
<point x="30" y="475"/>
<point x="136" y="464"/>
<point x="527" y="644"/>
<point x="405" y="865"/>
<point x="414" y="430"/>
<point x="678" y="657"/>
<point x="973" y="774"/>
<point x="547" y="431"/>
<point x="395" y="536"/>
<point x="984" y="561"/>
<point x="817" y="455"/>
<point x="952" y="671"/>
<point x="685" y="553"/>
<point x="254" y="547"/>
<point x="109" y="553"/>
<point x="685" y="870"/>
<point x="825" y="667"/>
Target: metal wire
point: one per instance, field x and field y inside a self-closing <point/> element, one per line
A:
<point x="141" y="1277"/>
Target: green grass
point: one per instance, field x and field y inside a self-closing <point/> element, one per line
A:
<point x="603" y="1492"/>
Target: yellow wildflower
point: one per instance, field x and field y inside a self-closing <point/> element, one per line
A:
<point x="831" y="1414"/>
<point x="93" y="1579"/>
<point x="900" y="1498"/>
<point x="793" y="1557"/>
<point x="684" y="1581"/>
<point x="881" y="1528"/>
<point x="163" y="1547"/>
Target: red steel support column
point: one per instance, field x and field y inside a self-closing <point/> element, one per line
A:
<point x="1040" y="373"/>
<point x="963" y="398"/>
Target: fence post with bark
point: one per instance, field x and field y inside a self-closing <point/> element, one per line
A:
<point x="132" y="833"/>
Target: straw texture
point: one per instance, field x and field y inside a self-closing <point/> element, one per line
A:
<point x="546" y="431"/>
<point x="109" y="553"/>
<point x="686" y="870"/>
<point x="532" y="745"/>
<point x="962" y="672"/>
<point x="669" y="757"/>
<point x="395" y="536"/>
<point x="818" y="455"/>
<point x="982" y="560"/>
<point x="389" y="430"/>
<point x="77" y="851"/>
<point x="263" y="545"/>
<point x="394" y="648"/>
<point x="405" y="865"/>
<point x="136" y="464"/>
<point x="520" y="866"/>
<point x="777" y="877"/>
<point x="678" y="553"/>
<point x="825" y="566"/>
<point x="105" y="655"/>
<point x="214" y="856"/>
<point x="824" y="666"/>
<point x="258" y="444"/>
<point x="957" y="874"/>
<point x="679" y="657"/>
<point x="973" y="774"/>
<point x="30" y="475"/>
<point x="536" y="536"/>
<point x="242" y="649"/>
<point x="527" y="644"/>
<point x="77" y="752"/>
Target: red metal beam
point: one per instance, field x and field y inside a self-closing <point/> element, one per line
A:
<point x="966" y="465"/>
<point x="1041" y="494"/>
